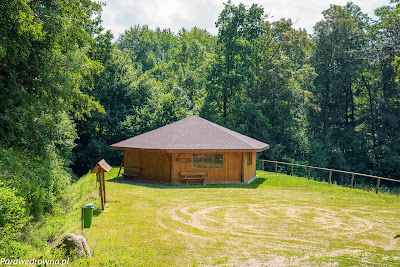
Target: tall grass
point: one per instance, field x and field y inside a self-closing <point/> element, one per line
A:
<point x="39" y="239"/>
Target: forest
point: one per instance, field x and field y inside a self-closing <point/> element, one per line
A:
<point x="69" y="89"/>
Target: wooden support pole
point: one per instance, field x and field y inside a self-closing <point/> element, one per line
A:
<point x="309" y="172"/>
<point x="101" y="192"/>
<point x="104" y="187"/>
<point x="243" y="167"/>
<point x="352" y="181"/>
<point x="100" y="187"/>
<point x="291" y="170"/>
<point x="330" y="177"/>
<point x="82" y="220"/>
<point x="120" y="167"/>
<point x="173" y="168"/>
<point x="377" y="186"/>
<point x="262" y="165"/>
<point x="276" y="167"/>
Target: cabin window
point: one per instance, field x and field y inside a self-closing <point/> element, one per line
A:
<point x="249" y="158"/>
<point x="208" y="161"/>
<point x="218" y="160"/>
<point x="197" y="161"/>
<point x="201" y="161"/>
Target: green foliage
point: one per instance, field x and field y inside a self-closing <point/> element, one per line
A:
<point x="285" y="87"/>
<point x="336" y="37"/>
<point x="397" y="63"/>
<point x="355" y="89"/>
<point x="13" y="217"/>
<point x="68" y="91"/>
<point x="150" y="78"/>
<point x="232" y="75"/>
<point x="44" y="61"/>
<point x="117" y="90"/>
<point x="327" y="99"/>
<point x="12" y="210"/>
<point x="146" y="48"/>
<point x="40" y="179"/>
<point x="396" y="12"/>
<point x="161" y="110"/>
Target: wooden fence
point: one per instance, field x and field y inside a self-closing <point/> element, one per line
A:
<point x="330" y="172"/>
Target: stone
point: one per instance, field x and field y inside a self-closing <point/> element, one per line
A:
<point x="75" y="244"/>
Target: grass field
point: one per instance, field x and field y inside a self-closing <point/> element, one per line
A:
<point x="277" y="220"/>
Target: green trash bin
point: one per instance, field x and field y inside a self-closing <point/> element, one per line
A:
<point x="88" y="215"/>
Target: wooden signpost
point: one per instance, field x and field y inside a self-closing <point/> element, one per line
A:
<point x="101" y="167"/>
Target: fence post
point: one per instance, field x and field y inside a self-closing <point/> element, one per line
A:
<point x="276" y="167"/>
<point x="262" y="165"/>
<point x="377" y="185"/>
<point x="352" y="181"/>
<point x="330" y="177"/>
<point x="291" y="170"/>
<point x="309" y="171"/>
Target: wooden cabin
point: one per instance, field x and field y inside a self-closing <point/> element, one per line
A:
<point x="190" y="150"/>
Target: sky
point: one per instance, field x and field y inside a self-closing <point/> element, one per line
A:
<point x="119" y="15"/>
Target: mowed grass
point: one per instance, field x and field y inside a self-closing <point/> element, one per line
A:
<point x="277" y="220"/>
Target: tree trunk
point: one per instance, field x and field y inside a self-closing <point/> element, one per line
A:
<point x="224" y="106"/>
<point x="371" y="108"/>
<point x="347" y="97"/>
<point x="351" y="104"/>
<point x="225" y="97"/>
<point x="326" y="105"/>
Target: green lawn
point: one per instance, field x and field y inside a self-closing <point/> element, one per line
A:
<point x="277" y="220"/>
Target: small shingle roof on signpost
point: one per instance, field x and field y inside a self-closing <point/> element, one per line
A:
<point x="192" y="133"/>
<point x="101" y="165"/>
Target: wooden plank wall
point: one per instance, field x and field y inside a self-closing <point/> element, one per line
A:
<point x="249" y="170"/>
<point x="155" y="165"/>
<point x="230" y="171"/>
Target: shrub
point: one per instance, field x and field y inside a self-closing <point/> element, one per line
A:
<point x="13" y="217"/>
<point x="12" y="210"/>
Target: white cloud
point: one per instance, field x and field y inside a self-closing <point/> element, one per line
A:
<point x="119" y="15"/>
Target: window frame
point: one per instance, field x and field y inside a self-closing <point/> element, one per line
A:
<point x="203" y="156"/>
<point x="249" y="158"/>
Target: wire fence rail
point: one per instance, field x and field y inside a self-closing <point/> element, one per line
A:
<point x="353" y="174"/>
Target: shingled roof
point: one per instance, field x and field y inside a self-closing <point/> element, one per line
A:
<point x="192" y="133"/>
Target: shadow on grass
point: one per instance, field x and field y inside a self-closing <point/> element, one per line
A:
<point x="159" y="185"/>
<point x="97" y="211"/>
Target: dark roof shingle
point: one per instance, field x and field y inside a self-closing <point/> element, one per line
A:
<point x="192" y="133"/>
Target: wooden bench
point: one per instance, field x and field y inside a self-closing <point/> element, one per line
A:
<point x="130" y="172"/>
<point x="194" y="175"/>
